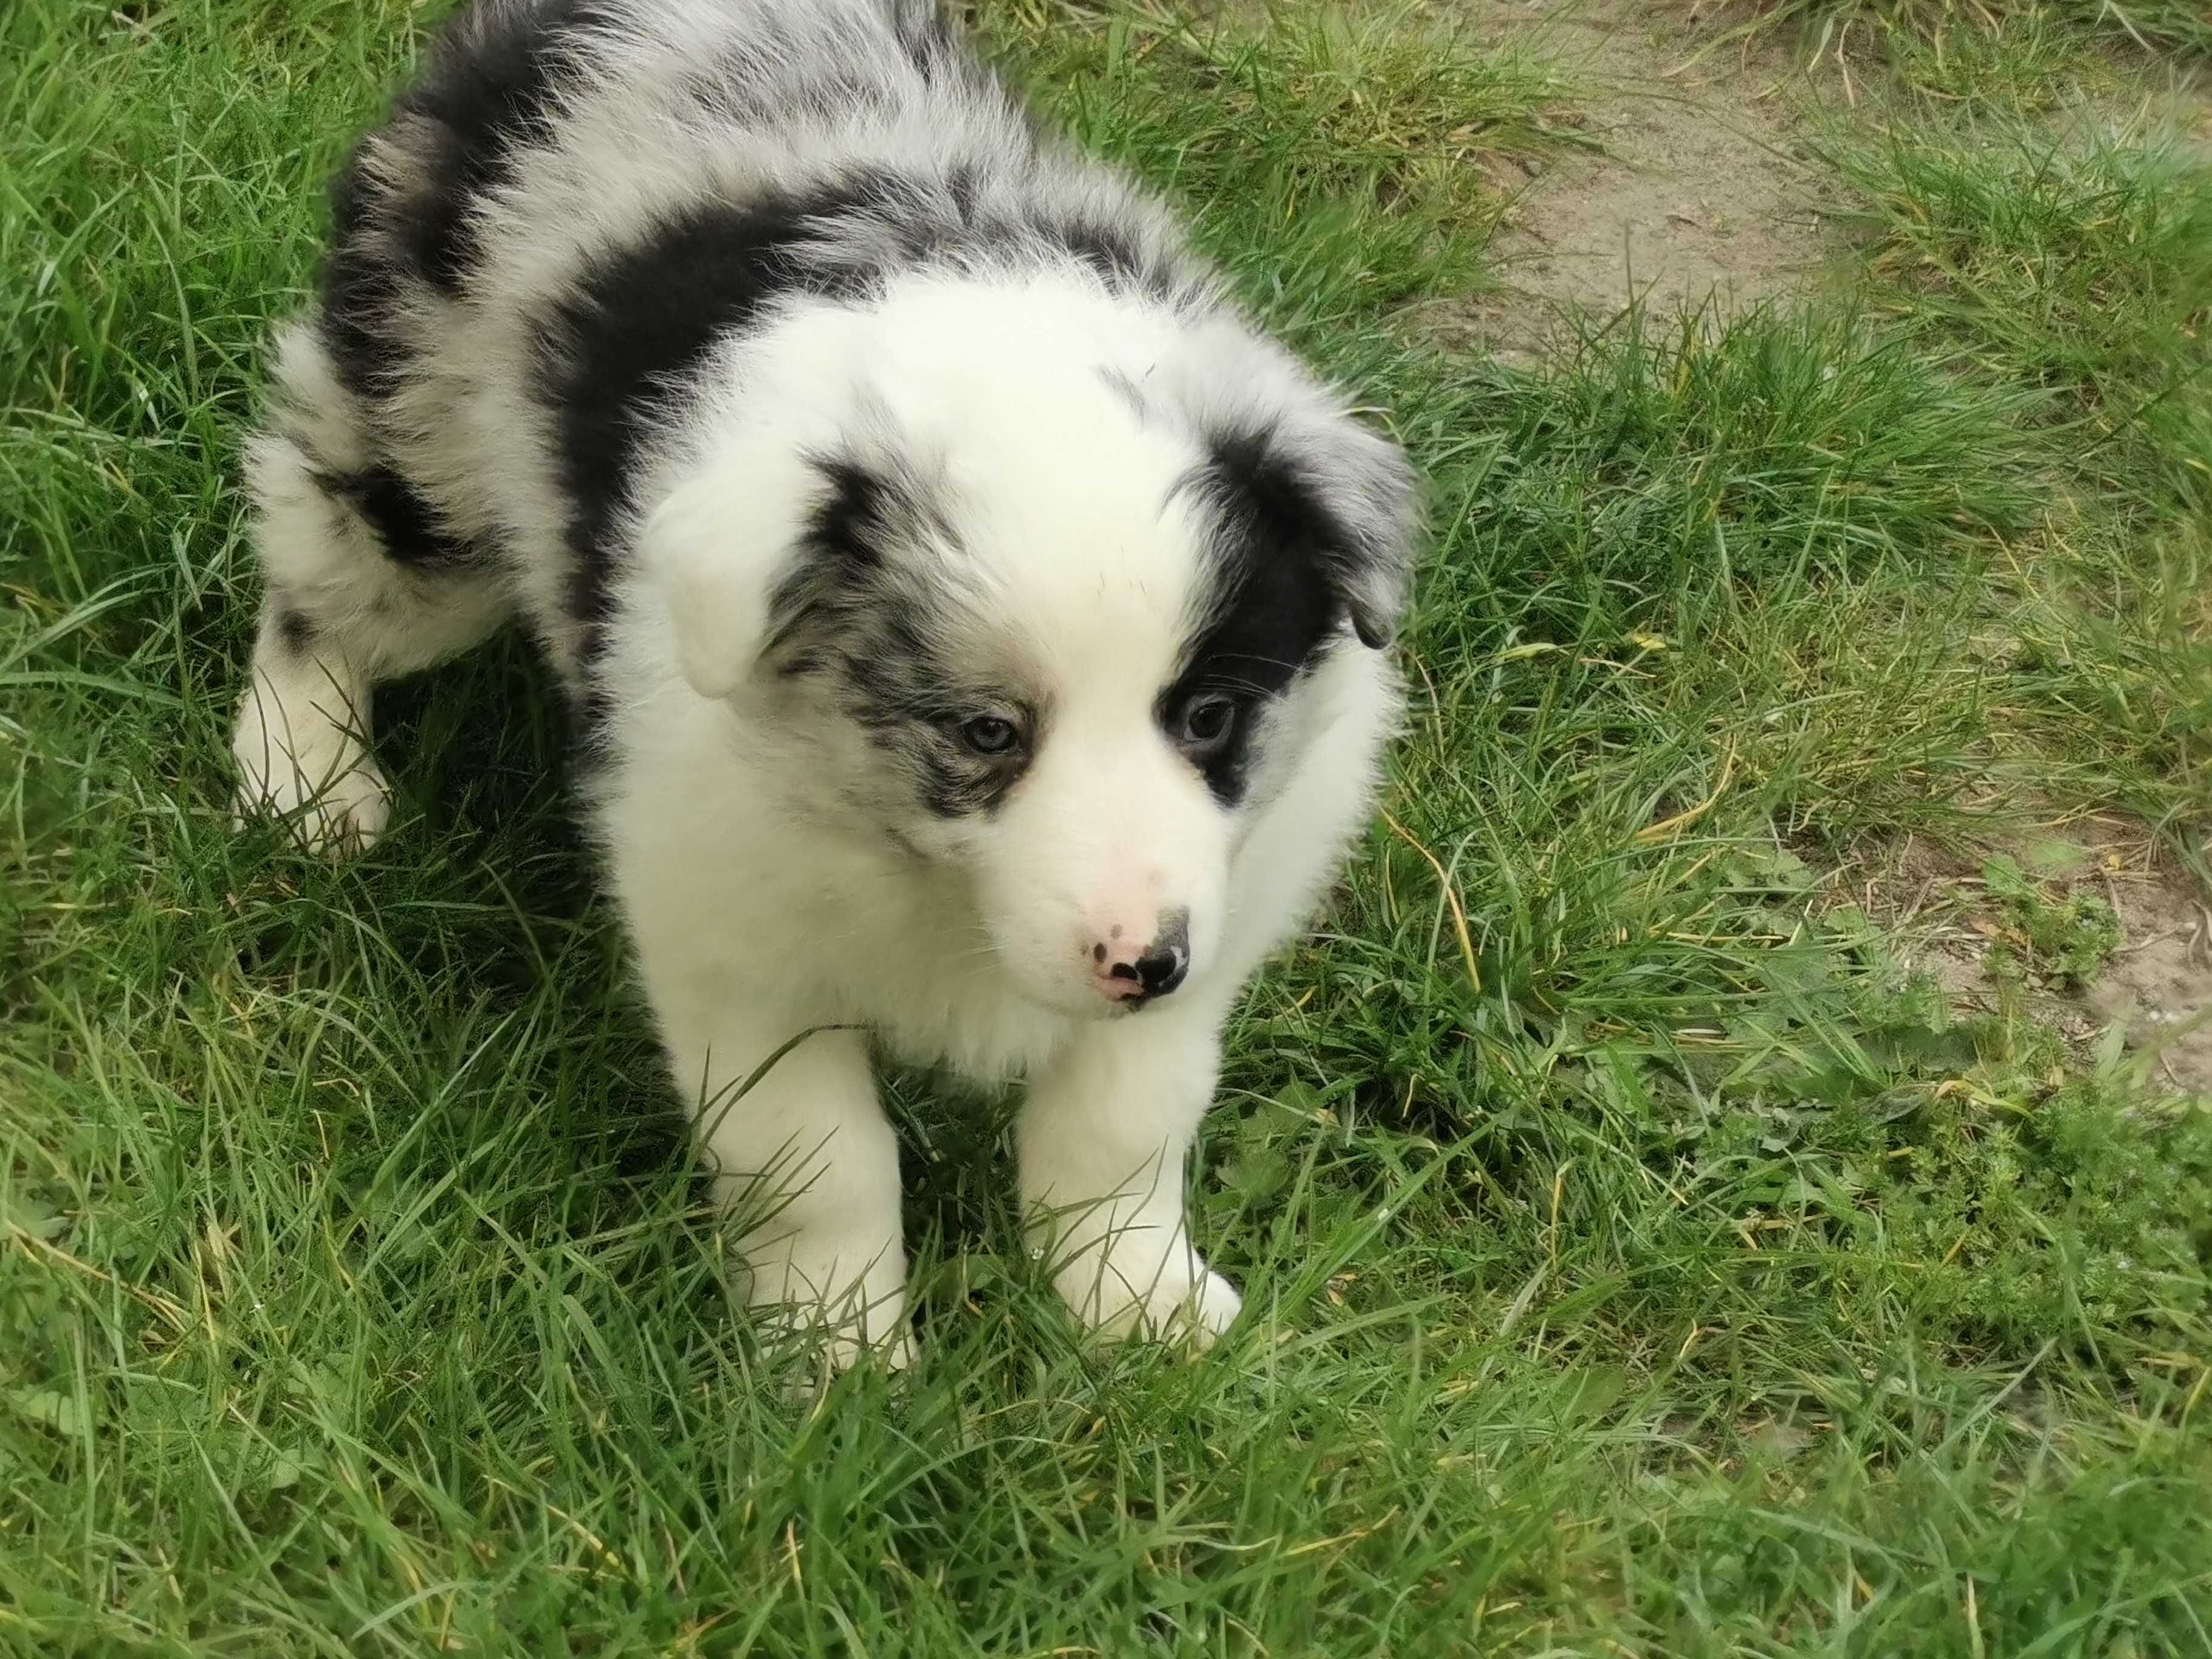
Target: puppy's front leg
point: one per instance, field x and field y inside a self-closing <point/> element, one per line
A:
<point x="1102" y="1139"/>
<point x="806" y="1157"/>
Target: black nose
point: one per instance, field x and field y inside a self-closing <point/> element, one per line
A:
<point x="1161" y="969"/>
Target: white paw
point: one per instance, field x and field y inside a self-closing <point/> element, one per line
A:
<point x="1211" y="1308"/>
<point x="1135" y="1293"/>
<point x="841" y="1344"/>
<point x="861" y="1321"/>
<point x="340" y="818"/>
<point x="310" y="772"/>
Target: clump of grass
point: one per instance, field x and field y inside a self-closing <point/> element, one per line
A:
<point x="2108" y="659"/>
<point x="2080" y="278"/>
<point x="1718" y="547"/>
<point x="2020" y="64"/>
<point x="2063" y="942"/>
<point x="1764" y="441"/>
<point x="1314" y="130"/>
<point x="1380" y="105"/>
<point x="1931" y="33"/>
<point x="2083" y="273"/>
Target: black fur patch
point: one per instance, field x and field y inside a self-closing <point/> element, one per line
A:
<point x="927" y="38"/>
<point x="1121" y="260"/>
<point x="295" y="628"/>
<point x="854" y="612"/>
<point x="914" y="219"/>
<point x="629" y="342"/>
<point x="402" y="520"/>
<point x="843" y="561"/>
<point x="964" y="186"/>
<point x="1274" y="605"/>
<point x="489" y="87"/>
<point x="401" y="206"/>
<point x="362" y="286"/>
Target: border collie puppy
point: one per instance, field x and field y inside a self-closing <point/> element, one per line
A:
<point x="973" y="625"/>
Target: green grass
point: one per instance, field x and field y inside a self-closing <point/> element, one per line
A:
<point x="1332" y="159"/>
<point x="2063" y="941"/>
<point x="1639" y="1261"/>
<point x="2016" y="54"/>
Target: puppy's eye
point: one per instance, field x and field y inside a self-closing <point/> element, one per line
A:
<point x="990" y="734"/>
<point x="1208" y="720"/>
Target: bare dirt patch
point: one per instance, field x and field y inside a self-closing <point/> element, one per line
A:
<point x="1692" y="197"/>
<point x="2156" y="986"/>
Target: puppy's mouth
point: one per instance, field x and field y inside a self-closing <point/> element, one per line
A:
<point x="1138" y="1000"/>
<point x="1089" y="1007"/>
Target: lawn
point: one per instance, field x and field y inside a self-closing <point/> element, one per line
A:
<point x="1693" y="1193"/>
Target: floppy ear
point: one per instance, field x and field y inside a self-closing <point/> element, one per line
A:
<point x="1326" y="483"/>
<point x="1310" y="475"/>
<point x="714" y="549"/>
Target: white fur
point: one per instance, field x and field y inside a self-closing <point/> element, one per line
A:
<point x="775" y="874"/>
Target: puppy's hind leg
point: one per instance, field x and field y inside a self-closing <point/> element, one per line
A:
<point x="362" y="586"/>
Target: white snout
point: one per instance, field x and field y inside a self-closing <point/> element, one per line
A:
<point x="1133" y="960"/>
<point x="1103" y="889"/>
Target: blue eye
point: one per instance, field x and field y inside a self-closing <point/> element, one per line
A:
<point x="990" y="734"/>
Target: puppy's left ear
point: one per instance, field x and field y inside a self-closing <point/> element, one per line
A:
<point x="714" y="549"/>
<point x="1324" y="482"/>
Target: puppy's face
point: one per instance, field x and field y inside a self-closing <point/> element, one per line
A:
<point x="1063" y="657"/>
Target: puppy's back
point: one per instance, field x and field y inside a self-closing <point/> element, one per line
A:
<point x="578" y="198"/>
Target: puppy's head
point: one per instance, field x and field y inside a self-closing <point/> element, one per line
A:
<point x="1049" y="608"/>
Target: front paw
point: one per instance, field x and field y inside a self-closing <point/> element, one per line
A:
<point x="1122" y="1291"/>
<point x="341" y="820"/>
<point x="843" y="1343"/>
<point x="803" y="1295"/>
<point x="313" y="775"/>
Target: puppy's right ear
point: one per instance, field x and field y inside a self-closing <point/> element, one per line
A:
<point x="713" y="550"/>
